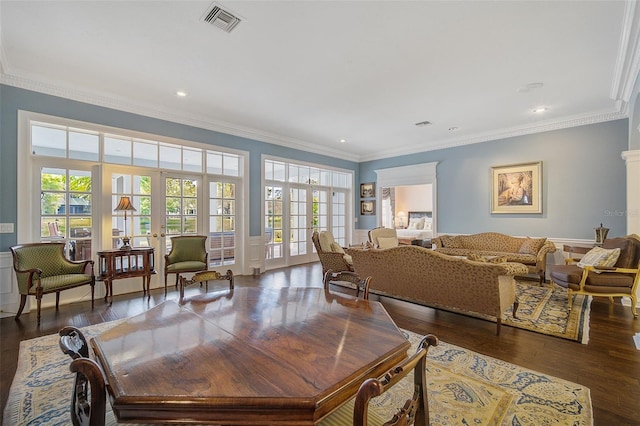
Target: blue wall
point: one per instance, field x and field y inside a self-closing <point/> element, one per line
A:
<point x="584" y="176"/>
<point x="13" y="99"/>
<point x="583" y="179"/>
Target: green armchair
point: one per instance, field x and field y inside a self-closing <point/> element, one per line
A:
<point x="42" y="268"/>
<point x="188" y="254"/>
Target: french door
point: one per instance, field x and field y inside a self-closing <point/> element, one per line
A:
<point x="169" y="204"/>
<point x="291" y="216"/>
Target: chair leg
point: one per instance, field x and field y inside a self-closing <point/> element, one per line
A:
<point x="516" y="303"/>
<point x="93" y="293"/>
<point x="177" y="278"/>
<point x="57" y="300"/>
<point x="634" y="301"/>
<point x="165" y="284"/>
<point x="39" y="299"/>
<point x="23" y="301"/>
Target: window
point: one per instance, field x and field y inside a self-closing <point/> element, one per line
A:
<point x="65" y="209"/>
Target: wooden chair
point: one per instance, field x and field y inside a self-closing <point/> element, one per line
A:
<point x="88" y="400"/>
<point x="349" y="276"/>
<point x="188" y="254"/>
<point x="205" y="277"/>
<point x="42" y="268"/>
<point x="621" y="280"/>
<point x="416" y="408"/>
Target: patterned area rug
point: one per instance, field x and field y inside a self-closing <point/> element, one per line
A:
<point x="543" y="309"/>
<point x="464" y="388"/>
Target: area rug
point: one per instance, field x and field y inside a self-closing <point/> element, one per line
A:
<point x="464" y="388"/>
<point x="544" y="309"/>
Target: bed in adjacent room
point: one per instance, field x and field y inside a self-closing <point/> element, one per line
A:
<point x="419" y="227"/>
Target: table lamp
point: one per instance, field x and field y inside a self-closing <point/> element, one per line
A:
<point x="124" y="206"/>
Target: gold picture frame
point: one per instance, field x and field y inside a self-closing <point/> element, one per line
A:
<point x="517" y="188"/>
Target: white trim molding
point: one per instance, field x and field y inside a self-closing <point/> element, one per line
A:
<point x="632" y="160"/>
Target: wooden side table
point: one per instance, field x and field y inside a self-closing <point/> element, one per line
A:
<point x="571" y="249"/>
<point x="117" y="264"/>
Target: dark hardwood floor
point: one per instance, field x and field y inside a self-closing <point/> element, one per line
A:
<point x="609" y="365"/>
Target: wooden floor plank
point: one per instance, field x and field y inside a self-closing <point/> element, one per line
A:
<point x="609" y="364"/>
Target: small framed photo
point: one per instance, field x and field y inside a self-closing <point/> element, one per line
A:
<point x="367" y="207"/>
<point x="368" y="190"/>
<point x="517" y="188"/>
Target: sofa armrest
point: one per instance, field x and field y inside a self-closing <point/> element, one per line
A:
<point x="437" y="241"/>
<point x="541" y="257"/>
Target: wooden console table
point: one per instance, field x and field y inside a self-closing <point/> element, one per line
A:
<point x="117" y="264"/>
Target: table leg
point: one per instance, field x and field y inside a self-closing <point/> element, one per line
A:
<point x="106" y="290"/>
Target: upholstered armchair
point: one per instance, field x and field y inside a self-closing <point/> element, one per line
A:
<point x="620" y="280"/>
<point x="331" y="254"/>
<point x="42" y="268"/>
<point x="188" y="254"/>
<point x="383" y="237"/>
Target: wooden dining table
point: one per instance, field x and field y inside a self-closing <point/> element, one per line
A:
<point x="247" y="356"/>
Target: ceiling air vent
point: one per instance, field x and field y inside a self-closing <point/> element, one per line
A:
<point x="223" y="19"/>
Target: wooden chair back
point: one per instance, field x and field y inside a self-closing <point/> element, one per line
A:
<point x="416" y="409"/>
<point x="88" y="400"/>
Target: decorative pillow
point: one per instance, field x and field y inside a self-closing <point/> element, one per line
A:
<point x="532" y="245"/>
<point x="347" y="258"/>
<point x="416" y="223"/>
<point x="427" y="225"/>
<point x="336" y="248"/>
<point x="600" y="257"/>
<point x="387" y="242"/>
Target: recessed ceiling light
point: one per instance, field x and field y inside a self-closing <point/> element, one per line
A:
<point x="454" y="128"/>
<point x="423" y="123"/>
<point x="343" y="141"/>
<point x="539" y="110"/>
<point x="181" y="93"/>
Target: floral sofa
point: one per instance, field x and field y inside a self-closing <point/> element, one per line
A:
<point x="420" y="275"/>
<point x="531" y="252"/>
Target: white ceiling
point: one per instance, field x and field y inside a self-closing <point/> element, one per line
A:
<point x="305" y="74"/>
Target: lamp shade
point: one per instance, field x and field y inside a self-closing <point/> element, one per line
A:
<point x="124" y="205"/>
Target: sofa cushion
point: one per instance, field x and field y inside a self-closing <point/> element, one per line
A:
<point x="486" y="259"/>
<point x="532" y="245"/>
<point x="627" y="251"/>
<point x="600" y="257"/>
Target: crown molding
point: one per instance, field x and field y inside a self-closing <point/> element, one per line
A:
<point x="254" y="134"/>
<point x="154" y="112"/>
<point x="627" y="66"/>
<point x="564" y="123"/>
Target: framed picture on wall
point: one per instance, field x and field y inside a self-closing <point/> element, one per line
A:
<point x="367" y="207"/>
<point x="368" y="190"/>
<point x="517" y="188"/>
